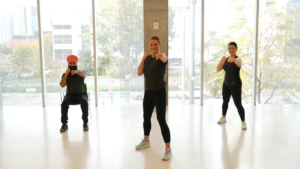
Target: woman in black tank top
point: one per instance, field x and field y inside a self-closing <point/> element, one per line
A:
<point x="232" y="85"/>
<point x="153" y="68"/>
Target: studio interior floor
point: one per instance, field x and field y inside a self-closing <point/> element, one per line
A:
<point x="30" y="139"/>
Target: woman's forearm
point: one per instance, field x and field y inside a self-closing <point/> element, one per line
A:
<point x="141" y="67"/>
<point x="220" y="65"/>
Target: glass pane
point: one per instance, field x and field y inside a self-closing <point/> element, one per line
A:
<point x="67" y="26"/>
<point x="67" y="37"/>
<point x="68" y="51"/>
<point x="240" y="29"/>
<point x="58" y="37"/>
<point x="19" y="54"/>
<point x="184" y="52"/>
<point x="57" y="41"/>
<point x="57" y="26"/>
<point x="58" y="51"/>
<point x="66" y="42"/>
<point x="34" y="20"/>
<point x="84" y="31"/>
<point x="121" y="48"/>
<point x="84" y="26"/>
<point x="278" y="57"/>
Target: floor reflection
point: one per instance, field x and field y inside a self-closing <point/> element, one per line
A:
<point x="231" y="151"/>
<point x="76" y="152"/>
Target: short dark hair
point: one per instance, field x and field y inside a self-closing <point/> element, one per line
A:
<point x="155" y="38"/>
<point x="233" y="43"/>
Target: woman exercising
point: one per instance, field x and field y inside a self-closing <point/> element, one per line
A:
<point x="232" y="85"/>
<point x="153" y="67"/>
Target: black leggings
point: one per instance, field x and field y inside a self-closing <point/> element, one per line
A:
<point x="236" y="93"/>
<point x="75" y="99"/>
<point x="158" y="99"/>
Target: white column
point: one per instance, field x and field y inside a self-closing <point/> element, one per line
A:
<point x="95" y="53"/>
<point x="202" y="51"/>
<point x="255" y="54"/>
<point x="42" y="62"/>
<point x="183" y="66"/>
<point x="192" y="55"/>
<point x="1" y="99"/>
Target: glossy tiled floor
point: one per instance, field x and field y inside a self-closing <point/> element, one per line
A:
<point x="30" y="138"/>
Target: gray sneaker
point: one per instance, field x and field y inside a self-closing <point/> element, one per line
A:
<point x="168" y="155"/>
<point x="63" y="128"/>
<point x="142" y="145"/>
<point x="85" y="127"/>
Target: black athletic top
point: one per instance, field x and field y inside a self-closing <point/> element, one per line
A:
<point x="154" y="73"/>
<point x="74" y="84"/>
<point x="232" y="74"/>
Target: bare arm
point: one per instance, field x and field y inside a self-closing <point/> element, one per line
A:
<point x="221" y="64"/>
<point x="63" y="81"/>
<point x="142" y="65"/>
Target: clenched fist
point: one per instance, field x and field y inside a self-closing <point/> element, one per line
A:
<point x="145" y="55"/>
<point x="68" y="71"/>
<point x="73" y="72"/>
<point x="159" y="56"/>
<point x="223" y="58"/>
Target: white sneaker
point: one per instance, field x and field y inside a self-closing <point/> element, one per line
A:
<point x="222" y="120"/>
<point x="244" y="126"/>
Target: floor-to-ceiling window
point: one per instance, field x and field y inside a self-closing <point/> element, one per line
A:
<point x="227" y="21"/>
<point x="278" y="54"/>
<point x="19" y="53"/>
<point x="66" y="29"/>
<point x="184" y="63"/>
<point x="120" y="46"/>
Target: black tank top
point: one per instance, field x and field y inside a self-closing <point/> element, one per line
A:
<point x="154" y="73"/>
<point x="232" y="74"/>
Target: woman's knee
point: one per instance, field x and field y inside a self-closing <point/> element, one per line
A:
<point x="238" y="104"/>
<point x="240" y="108"/>
<point x="226" y="101"/>
<point x="161" y="121"/>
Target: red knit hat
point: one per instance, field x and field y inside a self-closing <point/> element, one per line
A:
<point x="72" y="58"/>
